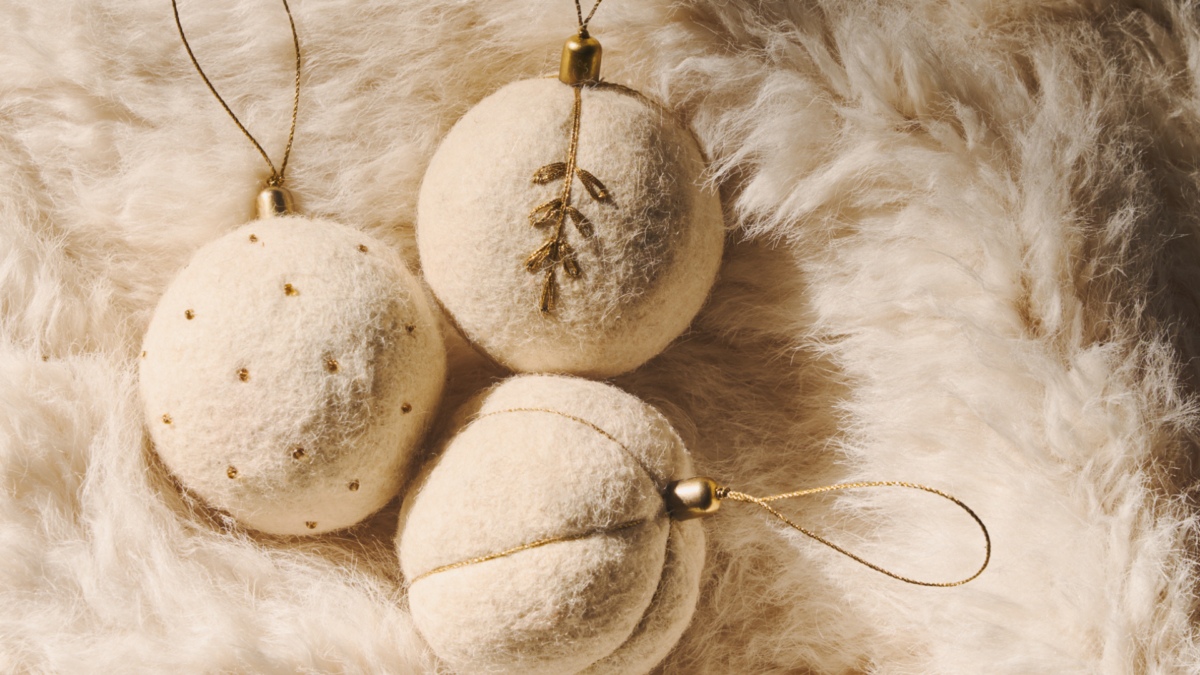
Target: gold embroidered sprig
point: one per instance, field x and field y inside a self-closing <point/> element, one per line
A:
<point x="557" y="251"/>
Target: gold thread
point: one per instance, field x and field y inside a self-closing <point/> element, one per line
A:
<point x="232" y="471"/>
<point x="353" y="486"/>
<point x="253" y="239"/>
<point x="166" y="419"/>
<point x="276" y="178"/>
<point x="726" y="493"/>
<point x="312" y="525"/>
<point x="243" y="375"/>
<point x="579" y="13"/>
<point x="602" y="432"/>
<point x="406" y="408"/>
<point x="189" y="314"/>
<point x="525" y="547"/>
<point x="298" y="453"/>
<point x="362" y="247"/>
<point x="556" y="251"/>
<point x="289" y="289"/>
<point x="331" y="365"/>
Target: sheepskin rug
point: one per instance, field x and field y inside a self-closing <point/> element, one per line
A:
<point x="961" y="251"/>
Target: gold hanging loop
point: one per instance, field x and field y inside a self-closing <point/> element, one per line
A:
<point x="579" y="13"/>
<point x="276" y="179"/>
<point x="697" y="497"/>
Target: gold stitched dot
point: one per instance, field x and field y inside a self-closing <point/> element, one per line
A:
<point x="410" y="328"/>
<point x="353" y="486"/>
<point x="362" y="247"/>
<point x="231" y="471"/>
<point x="189" y="314"/>
<point x="253" y="238"/>
<point x="143" y="355"/>
<point x="166" y="419"/>
<point x="406" y="408"/>
<point x="289" y="289"/>
<point x="331" y="365"/>
<point x="312" y="525"/>
<point x="243" y="375"/>
<point x="45" y="358"/>
<point x="298" y="454"/>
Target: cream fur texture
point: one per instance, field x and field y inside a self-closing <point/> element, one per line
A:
<point x="961" y="251"/>
<point x="289" y="372"/>
<point x="540" y="458"/>
<point x="634" y="270"/>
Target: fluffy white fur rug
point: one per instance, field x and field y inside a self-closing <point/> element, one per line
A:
<point x="961" y="251"/>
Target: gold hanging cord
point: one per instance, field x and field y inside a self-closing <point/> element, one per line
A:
<point x="276" y="178"/>
<point x="726" y="493"/>
<point x="579" y="13"/>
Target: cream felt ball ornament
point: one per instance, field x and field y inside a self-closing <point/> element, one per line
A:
<point x="289" y="371"/>
<point x="563" y="224"/>
<point x="539" y="542"/>
<point x="288" y="374"/>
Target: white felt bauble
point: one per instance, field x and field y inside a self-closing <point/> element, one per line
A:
<point x="640" y="239"/>
<point x="538" y="543"/>
<point x="288" y="373"/>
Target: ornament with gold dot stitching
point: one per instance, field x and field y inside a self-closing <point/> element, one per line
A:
<point x="559" y="531"/>
<point x="564" y="224"/>
<point x="289" y="371"/>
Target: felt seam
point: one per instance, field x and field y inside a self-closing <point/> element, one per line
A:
<point x="532" y="545"/>
<point x="662" y="575"/>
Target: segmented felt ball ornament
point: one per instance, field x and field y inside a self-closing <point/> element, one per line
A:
<point x="290" y="369"/>
<point x="558" y="532"/>
<point x="537" y="544"/>
<point x="564" y="226"/>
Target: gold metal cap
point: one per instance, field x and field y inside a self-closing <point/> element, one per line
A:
<point x="580" y="59"/>
<point x="275" y="201"/>
<point x="691" y="498"/>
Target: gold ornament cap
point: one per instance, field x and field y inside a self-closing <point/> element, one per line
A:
<point x="692" y="498"/>
<point x="275" y="201"/>
<point x="580" y="59"/>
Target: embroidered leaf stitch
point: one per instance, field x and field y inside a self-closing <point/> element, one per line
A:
<point x="555" y="251"/>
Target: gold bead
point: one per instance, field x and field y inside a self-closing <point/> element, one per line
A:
<point x="580" y="59"/>
<point x="691" y="498"/>
<point x="274" y="201"/>
<point x="354" y="486"/>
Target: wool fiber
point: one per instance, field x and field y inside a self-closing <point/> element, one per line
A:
<point x="961" y="250"/>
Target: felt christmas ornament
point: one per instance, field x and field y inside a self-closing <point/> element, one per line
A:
<point x="556" y="533"/>
<point x="563" y="224"/>
<point x="290" y="369"/>
<point x="538" y="542"/>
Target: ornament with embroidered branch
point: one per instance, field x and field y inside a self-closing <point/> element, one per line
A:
<point x="599" y="249"/>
